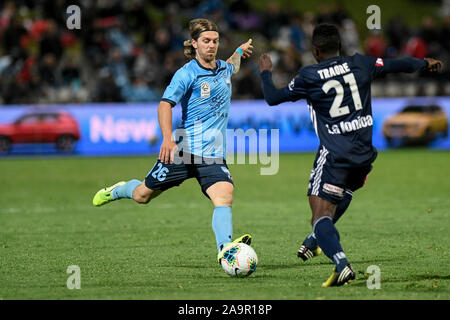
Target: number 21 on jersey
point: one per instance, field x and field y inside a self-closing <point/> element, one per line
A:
<point x="336" y="109"/>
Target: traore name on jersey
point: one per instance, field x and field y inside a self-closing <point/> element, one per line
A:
<point x="344" y="126"/>
<point x="333" y="71"/>
<point x="337" y="91"/>
<point x="338" y="95"/>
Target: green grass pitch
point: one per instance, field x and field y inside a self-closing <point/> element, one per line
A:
<point x="400" y="222"/>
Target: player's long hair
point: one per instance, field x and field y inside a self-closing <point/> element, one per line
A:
<point x="196" y="27"/>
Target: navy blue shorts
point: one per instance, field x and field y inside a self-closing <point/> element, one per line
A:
<point x="330" y="182"/>
<point x="207" y="172"/>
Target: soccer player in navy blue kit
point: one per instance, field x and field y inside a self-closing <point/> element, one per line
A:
<point x="197" y="149"/>
<point x="337" y="90"/>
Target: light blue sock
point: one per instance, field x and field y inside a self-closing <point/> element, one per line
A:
<point x="126" y="190"/>
<point x="222" y="225"/>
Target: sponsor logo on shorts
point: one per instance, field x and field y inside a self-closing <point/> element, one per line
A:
<point x="333" y="190"/>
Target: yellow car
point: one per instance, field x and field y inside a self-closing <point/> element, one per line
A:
<point x="416" y="125"/>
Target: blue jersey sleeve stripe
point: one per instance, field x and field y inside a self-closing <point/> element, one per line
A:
<point x="172" y="103"/>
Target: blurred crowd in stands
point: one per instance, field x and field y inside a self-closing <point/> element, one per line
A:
<point x="127" y="51"/>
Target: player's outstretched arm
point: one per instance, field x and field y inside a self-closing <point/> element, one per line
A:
<point x="168" y="146"/>
<point x="272" y="95"/>
<point x="245" y="51"/>
<point x="408" y="65"/>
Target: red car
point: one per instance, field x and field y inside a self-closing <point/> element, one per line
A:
<point x="41" y="127"/>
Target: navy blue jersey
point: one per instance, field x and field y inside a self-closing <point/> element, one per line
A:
<point x="338" y="94"/>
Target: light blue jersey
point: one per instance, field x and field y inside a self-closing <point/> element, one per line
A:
<point x="205" y="96"/>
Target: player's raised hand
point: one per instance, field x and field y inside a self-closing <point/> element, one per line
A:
<point x="264" y="63"/>
<point x="434" y="65"/>
<point x="167" y="151"/>
<point x="247" y="49"/>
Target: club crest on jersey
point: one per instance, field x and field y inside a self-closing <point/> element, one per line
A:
<point x="205" y="90"/>
<point x="379" y="62"/>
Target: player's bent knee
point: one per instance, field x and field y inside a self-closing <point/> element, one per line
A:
<point x="223" y="201"/>
<point x="142" y="199"/>
<point x="142" y="194"/>
<point x="221" y="194"/>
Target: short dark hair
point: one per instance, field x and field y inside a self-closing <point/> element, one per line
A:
<point x="326" y="38"/>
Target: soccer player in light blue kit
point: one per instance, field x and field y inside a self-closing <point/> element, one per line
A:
<point x="198" y="147"/>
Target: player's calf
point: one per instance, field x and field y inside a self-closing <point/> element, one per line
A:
<point x="143" y="195"/>
<point x="132" y="189"/>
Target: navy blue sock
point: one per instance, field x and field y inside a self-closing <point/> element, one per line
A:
<point x="343" y="205"/>
<point x="311" y="241"/>
<point x="126" y="190"/>
<point x="328" y="240"/>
